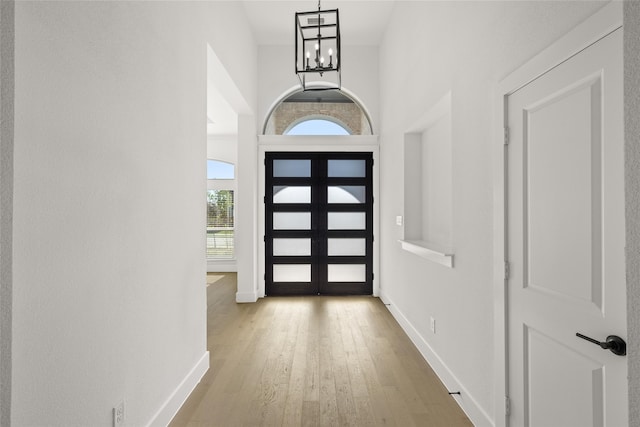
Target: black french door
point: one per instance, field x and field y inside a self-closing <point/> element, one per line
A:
<point x="319" y="223"/>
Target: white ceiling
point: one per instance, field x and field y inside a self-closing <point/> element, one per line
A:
<point x="361" y="22"/>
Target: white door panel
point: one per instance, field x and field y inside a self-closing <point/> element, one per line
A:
<point x="554" y="371"/>
<point x="555" y="131"/>
<point x="566" y="243"/>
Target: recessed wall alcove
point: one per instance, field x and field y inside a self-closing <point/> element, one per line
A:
<point x="427" y="185"/>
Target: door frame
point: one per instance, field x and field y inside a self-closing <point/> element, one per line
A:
<point x="599" y="25"/>
<point x="289" y="143"/>
<point x="319" y="234"/>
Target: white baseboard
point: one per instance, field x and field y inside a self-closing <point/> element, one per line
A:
<point x="476" y="414"/>
<point x="170" y="408"/>
<point x="242" y="297"/>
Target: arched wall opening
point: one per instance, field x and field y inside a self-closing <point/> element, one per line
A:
<point x="295" y="106"/>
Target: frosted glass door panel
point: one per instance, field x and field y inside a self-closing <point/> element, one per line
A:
<point x="291" y="247"/>
<point x="347" y="194"/>
<point x="292" y="220"/>
<point x="292" y="272"/>
<point x="347" y="220"/>
<point x="347" y="272"/>
<point x="292" y="168"/>
<point x="285" y="194"/>
<point x="347" y="168"/>
<point x="347" y="247"/>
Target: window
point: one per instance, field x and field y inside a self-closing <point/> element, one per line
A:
<point x="317" y="127"/>
<point x="220" y="224"/>
<point x="302" y="112"/>
<point x="217" y="169"/>
<point x="220" y="210"/>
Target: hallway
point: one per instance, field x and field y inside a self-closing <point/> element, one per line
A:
<point x="323" y="361"/>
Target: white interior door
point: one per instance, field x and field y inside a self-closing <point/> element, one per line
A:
<point x="566" y="243"/>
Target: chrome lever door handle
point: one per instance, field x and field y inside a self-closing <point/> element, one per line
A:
<point x="614" y="343"/>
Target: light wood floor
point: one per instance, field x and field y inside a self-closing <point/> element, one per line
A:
<point x="312" y="361"/>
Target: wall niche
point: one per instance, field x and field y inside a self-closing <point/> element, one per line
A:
<point x="428" y="185"/>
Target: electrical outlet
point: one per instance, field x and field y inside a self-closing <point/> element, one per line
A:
<point x="433" y="325"/>
<point x="399" y="220"/>
<point x="118" y="414"/>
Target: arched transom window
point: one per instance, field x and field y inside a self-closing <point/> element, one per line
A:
<point x="318" y="112"/>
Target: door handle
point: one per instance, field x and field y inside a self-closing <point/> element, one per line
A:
<point x="614" y="343"/>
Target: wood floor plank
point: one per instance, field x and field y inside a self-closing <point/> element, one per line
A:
<point x="379" y="348"/>
<point x="312" y="371"/>
<point x="312" y="361"/>
<point x="400" y="412"/>
<point x="364" y="411"/>
<point x="327" y="392"/>
<point x="347" y="414"/>
<point x="356" y="377"/>
<point x="293" y="412"/>
<point x="310" y="414"/>
<point x="381" y="412"/>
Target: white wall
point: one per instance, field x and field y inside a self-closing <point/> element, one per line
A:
<point x="223" y="148"/>
<point x="632" y="182"/>
<point x="431" y="48"/>
<point x="6" y="202"/>
<point x="109" y="183"/>
<point x="246" y="212"/>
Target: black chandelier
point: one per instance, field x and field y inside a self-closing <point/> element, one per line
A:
<point x="318" y="47"/>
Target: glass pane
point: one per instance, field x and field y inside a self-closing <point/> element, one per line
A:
<point x="284" y="194"/>
<point x="317" y="127"/>
<point x="220" y="224"/>
<point x="347" y="168"/>
<point x="347" y="220"/>
<point x="292" y="220"/>
<point x="219" y="244"/>
<point x="346" y="194"/>
<point x="291" y="247"/>
<point x="347" y="247"/>
<point x="292" y="168"/>
<point x="217" y="169"/>
<point x="292" y="272"/>
<point x="347" y="272"/>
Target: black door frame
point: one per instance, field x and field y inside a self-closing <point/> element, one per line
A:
<point x="319" y="258"/>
